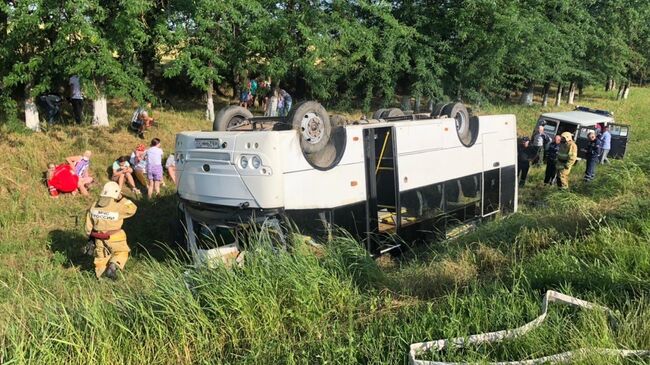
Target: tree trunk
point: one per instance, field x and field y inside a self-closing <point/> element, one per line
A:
<point x="31" y="112"/>
<point x="430" y="105"/>
<point x="100" y="111"/>
<point x="558" y="95"/>
<point x="527" y="94"/>
<point x="547" y="88"/>
<point x="406" y="102"/>
<point x="613" y="84"/>
<point x="619" y="94"/>
<point x="609" y="84"/>
<point x="572" y="93"/>
<point x="626" y="90"/>
<point x="209" y="110"/>
<point x="418" y="100"/>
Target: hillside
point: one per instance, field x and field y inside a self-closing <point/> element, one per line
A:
<point x="335" y="307"/>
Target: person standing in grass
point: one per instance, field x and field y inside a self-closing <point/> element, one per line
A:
<point x="593" y="155"/>
<point x="567" y="155"/>
<point x="170" y="164"/>
<point x="286" y="103"/>
<point x="551" y="160"/>
<point x="154" y="167"/>
<point x="104" y="225"/>
<point x="76" y="98"/>
<point x="539" y="141"/>
<point x="525" y="153"/>
<point x="606" y="140"/>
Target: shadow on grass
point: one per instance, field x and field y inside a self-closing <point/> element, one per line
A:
<point x="70" y="245"/>
<point x="151" y="231"/>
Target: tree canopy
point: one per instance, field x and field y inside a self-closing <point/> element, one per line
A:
<point x="345" y="52"/>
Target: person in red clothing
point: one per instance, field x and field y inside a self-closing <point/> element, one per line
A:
<point x="61" y="179"/>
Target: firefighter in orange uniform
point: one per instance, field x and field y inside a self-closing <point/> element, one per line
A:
<point x="104" y="225"/>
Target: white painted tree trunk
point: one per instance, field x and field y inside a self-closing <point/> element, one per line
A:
<point x="572" y="93"/>
<point x="626" y="90"/>
<point x="418" y="101"/>
<point x="209" y="109"/>
<point x="527" y="94"/>
<point x="100" y="111"/>
<point x="547" y="88"/>
<point x="558" y="95"/>
<point x="619" y="94"/>
<point x="31" y="113"/>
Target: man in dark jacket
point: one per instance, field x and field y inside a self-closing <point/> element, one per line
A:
<point x="525" y="153"/>
<point x="551" y="160"/>
<point x="592" y="155"/>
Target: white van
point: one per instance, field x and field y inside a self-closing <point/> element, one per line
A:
<point x="393" y="174"/>
<point x="580" y="122"/>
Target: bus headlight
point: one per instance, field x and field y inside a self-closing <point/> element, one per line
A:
<point x="256" y="162"/>
<point x="243" y="162"/>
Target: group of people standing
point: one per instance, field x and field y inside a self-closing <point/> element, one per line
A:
<point x="560" y="153"/>
<point x="50" y="102"/>
<point x="275" y="102"/>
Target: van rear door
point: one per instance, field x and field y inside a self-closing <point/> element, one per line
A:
<point x="582" y="140"/>
<point x="620" y="134"/>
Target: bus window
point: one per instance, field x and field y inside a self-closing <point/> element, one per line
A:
<point x="550" y="127"/>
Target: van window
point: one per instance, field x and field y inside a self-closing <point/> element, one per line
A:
<point x="550" y="127"/>
<point x="623" y="131"/>
<point x="584" y="132"/>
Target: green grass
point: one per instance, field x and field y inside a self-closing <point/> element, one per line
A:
<point x="330" y="306"/>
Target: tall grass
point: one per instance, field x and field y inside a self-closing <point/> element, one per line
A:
<point x="332" y="305"/>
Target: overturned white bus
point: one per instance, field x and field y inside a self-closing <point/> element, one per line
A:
<point x="396" y="173"/>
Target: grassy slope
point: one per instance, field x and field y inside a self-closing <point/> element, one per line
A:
<point x="336" y="307"/>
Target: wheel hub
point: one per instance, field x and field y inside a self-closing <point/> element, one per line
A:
<point x="312" y="128"/>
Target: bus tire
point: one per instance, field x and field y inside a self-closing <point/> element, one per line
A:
<point x="437" y="110"/>
<point x="230" y="117"/>
<point x="392" y="112"/>
<point x="377" y="114"/>
<point x="313" y="124"/>
<point x="459" y="112"/>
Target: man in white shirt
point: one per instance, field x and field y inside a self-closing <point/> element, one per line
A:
<point x="76" y="98"/>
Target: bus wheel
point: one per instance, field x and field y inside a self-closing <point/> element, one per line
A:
<point x="459" y="112"/>
<point x="230" y="118"/>
<point x="377" y="114"/>
<point x="313" y="123"/>
<point x="392" y="112"/>
<point x="437" y="110"/>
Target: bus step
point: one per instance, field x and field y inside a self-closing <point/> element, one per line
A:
<point x="386" y="206"/>
<point x="388" y="248"/>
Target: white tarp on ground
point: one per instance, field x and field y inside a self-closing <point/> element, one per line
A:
<point x="418" y="349"/>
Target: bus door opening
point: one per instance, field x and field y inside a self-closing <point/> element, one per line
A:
<point x="383" y="207"/>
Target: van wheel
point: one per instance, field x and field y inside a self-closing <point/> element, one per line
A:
<point x="313" y="124"/>
<point x="377" y="114"/>
<point x="392" y="112"/>
<point x="464" y="125"/>
<point x="230" y="118"/>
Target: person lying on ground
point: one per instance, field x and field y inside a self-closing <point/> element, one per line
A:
<point x="170" y="164"/>
<point x="61" y="179"/>
<point x="122" y="171"/>
<point x="81" y="168"/>
<point x="139" y="162"/>
<point x="154" y="167"/>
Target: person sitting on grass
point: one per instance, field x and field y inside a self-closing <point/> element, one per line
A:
<point x="61" y="179"/>
<point x="139" y="162"/>
<point x="141" y="121"/>
<point x="80" y="166"/>
<point x="170" y="164"/>
<point x="122" y="171"/>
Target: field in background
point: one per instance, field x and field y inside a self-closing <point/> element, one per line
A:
<point x="332" y="307"/>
